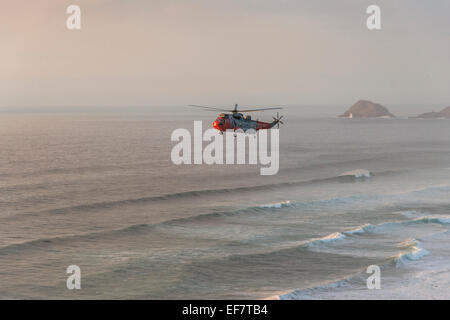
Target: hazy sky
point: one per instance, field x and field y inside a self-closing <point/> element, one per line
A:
<point x="176" y="52"/>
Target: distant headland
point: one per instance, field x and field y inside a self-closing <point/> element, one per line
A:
<point x="435" y="115"/>
<point x="367" y="109"/>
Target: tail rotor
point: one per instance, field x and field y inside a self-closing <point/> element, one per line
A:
<point x="277" y="120"/>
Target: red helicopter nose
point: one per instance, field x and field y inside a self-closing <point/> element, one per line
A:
<point x="216" y="125"/>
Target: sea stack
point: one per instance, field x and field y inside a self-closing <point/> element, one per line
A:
<point x="436" y="115"/>
<point x="367" y="109"/>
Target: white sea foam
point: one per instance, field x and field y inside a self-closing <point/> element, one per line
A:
<point x="383" y="226"/>
<point x="438" y="220"/>
<point x="277" y="205"/>
<point x="371" y="199"/>
<point x="358" y="173"/>
<point x="411" y="213"/>
<point x="360" y="229"/>
<point x="415" y="253"/>
<point x="336" y="236"/>
<point x="354" y="287"/>
<point x="379" y="228"/>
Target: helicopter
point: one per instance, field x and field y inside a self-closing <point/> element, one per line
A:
<point x="236" y="120"/>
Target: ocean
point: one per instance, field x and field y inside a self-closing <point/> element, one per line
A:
<point x="98" y="190"/>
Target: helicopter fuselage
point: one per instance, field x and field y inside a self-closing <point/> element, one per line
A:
<point x="236" y="120"/>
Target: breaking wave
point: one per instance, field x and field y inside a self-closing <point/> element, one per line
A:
<point x="357" y="280"/>
<point x="336" y="236"/>
<point x="278" y="205"/>
<point x="412" y="213"/>
<point x="415" y="253"/>
<point x="368" y="228"/>
<point x="310" y="293"/>
<point x="260" y="209"/>
<point x="198" y="193"/>
<point x="380" y="227"/>
<point x="137" y="228"/>
<point x="358" y="173"/>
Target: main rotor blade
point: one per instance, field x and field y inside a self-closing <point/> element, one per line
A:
<point x="209" y="108"/>
<point x="255" y="110"/>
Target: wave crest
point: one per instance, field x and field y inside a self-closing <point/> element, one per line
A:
<point x="358" y="173"/>
<point x="416" y="252"/>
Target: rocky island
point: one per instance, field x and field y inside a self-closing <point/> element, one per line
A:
<point x="436" y="115"/>
<point x="367" y="109"/>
